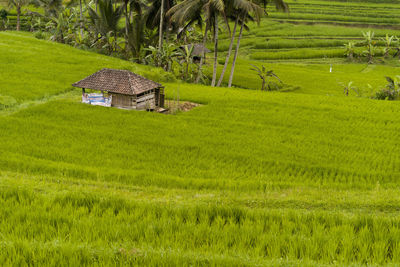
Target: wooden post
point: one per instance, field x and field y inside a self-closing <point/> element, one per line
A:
<point x="161" y="97"/>
<point x="83" y="96"/>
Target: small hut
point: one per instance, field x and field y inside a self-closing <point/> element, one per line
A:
<point x="122" y="89"/>
<point x="198" y="51"/>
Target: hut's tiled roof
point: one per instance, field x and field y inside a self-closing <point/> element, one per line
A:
<point x="117" y="81"/>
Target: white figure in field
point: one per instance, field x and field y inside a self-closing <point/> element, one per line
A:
<point x="331" y="69"/>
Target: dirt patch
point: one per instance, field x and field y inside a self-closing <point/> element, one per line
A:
<point x="173" y="107"/>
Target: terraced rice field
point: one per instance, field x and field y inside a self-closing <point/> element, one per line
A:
<point x="311" y="38"/>
<point x="249" y="178"/>
<point x="305" y="177"/>
<point x="379" y="12"/>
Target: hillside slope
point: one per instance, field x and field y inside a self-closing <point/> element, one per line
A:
<point x="249" y="178"/>
<point x="33" y="69"/>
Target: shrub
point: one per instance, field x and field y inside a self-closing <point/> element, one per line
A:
<point x="391" y="91"/>
<point x="3" y="14"/>
<point x="3" y="19"/>
<point x="40" y="35"/>
<point x="386" y="94"/>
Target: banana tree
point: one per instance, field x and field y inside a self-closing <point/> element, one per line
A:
<point x="370" y="45"/>
<point x="350" y="50"/>
<point x="388" y="44"/>
<point x="185" y="59"/>
<point x="349" y="87"/>
<point x="58" y="27"/>
<point x="265" y="75"/>
<point x="162" y="57"/>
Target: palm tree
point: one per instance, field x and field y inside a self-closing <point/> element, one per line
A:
<point x="154" y="15"/>
<point x="228" y="55"/>
<point x="18" y="4"/>
<point x="134" y="30"/>
<point x="213" y="8"/>
<point x="216" y="29"/>
<point x="81" y="17"/>
<point x="189" y="11"/>
<point x="247" y="9"/>
<point x="233" y="13"/>
<point x="106" y="19"/>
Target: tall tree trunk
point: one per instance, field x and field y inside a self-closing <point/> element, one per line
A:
<point x="81" y="17"/>
<point x="127" y="20"/>
<point x="228" y="56"/>
<point x="160" y="37"/>
<point x="96" y="4"/>
<point x="236" y="55"/>
<point x="168" y="7"/>
<point x="18" y="17"/>
<point x="139" y="31"/>
<point x="214" y="79"/>
<point x="204" y="52"/>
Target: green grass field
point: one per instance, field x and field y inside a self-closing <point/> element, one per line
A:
<point x="303" y="177"/>
<point x="249" y="178"/>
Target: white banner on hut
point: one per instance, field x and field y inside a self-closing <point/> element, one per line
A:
<point x="97" y="99"/>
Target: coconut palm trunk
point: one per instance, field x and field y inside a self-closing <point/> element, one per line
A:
<point x="228" y="56"/>
<point x="81" y="17"/>
<point x="236" y="54"/>
<point x="214" y="79"/>
<point x="127" y="25"/>
<point x="160" y="37"/>
<point x="204" y="52"/>
<point x="18" y="17"/>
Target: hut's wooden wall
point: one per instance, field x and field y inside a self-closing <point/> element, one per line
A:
<point x="122" y="101"/>
<point x="143" y="101"/>
<point x="146" y="100"/>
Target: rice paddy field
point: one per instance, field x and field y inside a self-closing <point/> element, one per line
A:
<point x="306" y="177"/>
<point x="302" y="45"/>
